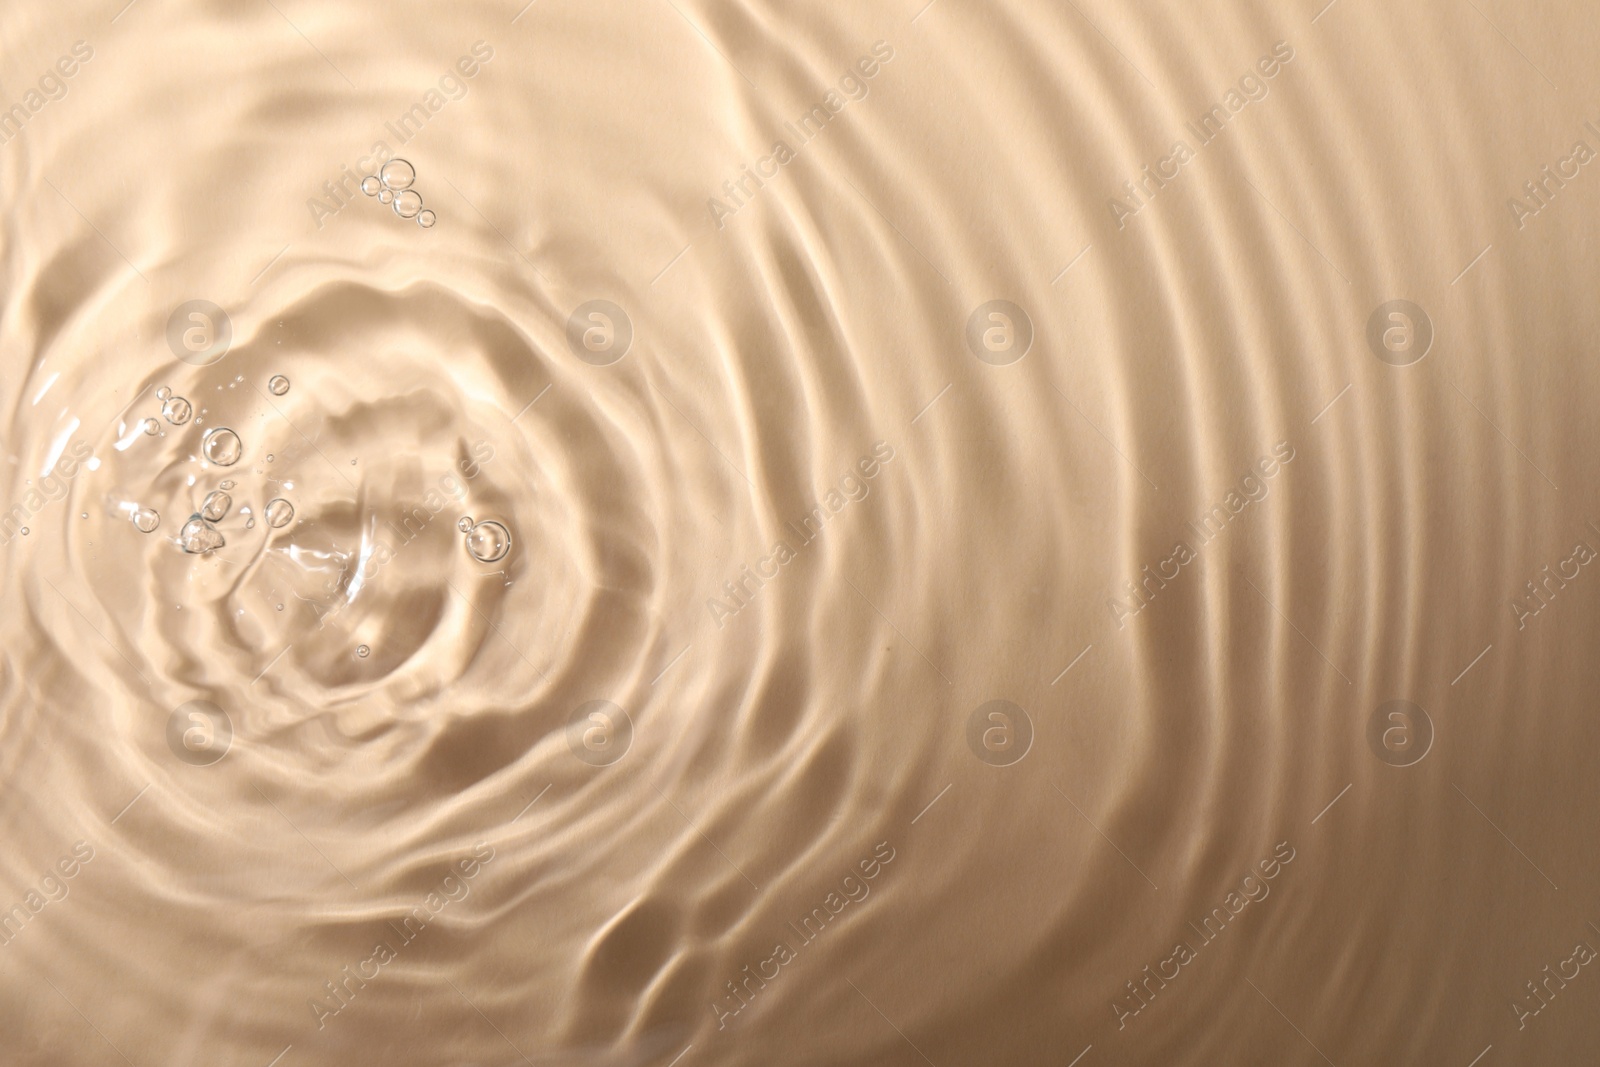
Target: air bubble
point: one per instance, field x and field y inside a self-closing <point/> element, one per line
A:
<point x="163" y="393"/>
<point x="397" y="174"/>
<point x="221" y="446"/>
<point x="385" y="196"/>
<point x="464" y="524"/>
<point x="216" y="505"/>
<point x="199" y="536"/>
<point x="488" y="541"/>
<point x="363" y="651"/>
<point x="427" y="219"/>
<point x="278" y="513"/>
<point x="151" y="427"/>
<point x="407" y="203"/>
<point x="270" y="457"/>
<point x="278" y="385"/>
<point x="177" y="410"/>
<point x="226" y="485"/>
<point x="146" y="520"/>
<point x="371" y="184"/>
<point x="24" y="531"/>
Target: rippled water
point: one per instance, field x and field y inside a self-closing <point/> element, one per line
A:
<point x="686" y="533"/>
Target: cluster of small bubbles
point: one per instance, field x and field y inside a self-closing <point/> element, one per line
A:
<point x="279" y="512"/>
<point x="363" y="651"/>
<point x="278" y="385"/>
<point x="146" y="520"/>
<point x="392" y="186"/>
<point x="216" y="505"/>
<point x="487" y="541"/>
<point x="221" y="446"/>
<point x="176" y="410"/>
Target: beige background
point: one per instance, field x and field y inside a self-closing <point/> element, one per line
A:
<point x="769" y="751"/>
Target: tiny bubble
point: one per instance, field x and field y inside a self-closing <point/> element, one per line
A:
<point x="278" y="385"/>
<point x="163" y="393"/>
<point x="363" y="651"/>
<point x="152" y="427"/>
